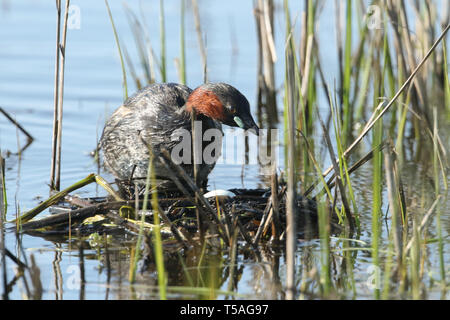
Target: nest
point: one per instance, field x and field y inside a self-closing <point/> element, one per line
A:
<point x="186" y="213"/>
<point x="249" y="212"/>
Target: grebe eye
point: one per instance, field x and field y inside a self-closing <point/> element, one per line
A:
<point x="232" y="109"/>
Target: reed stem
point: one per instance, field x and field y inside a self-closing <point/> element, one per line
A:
<point x="182" y="43"/>
<point x="122" y="62"/>
<point x="162" y="33"/>
<point x="291" y="182"/>
<point x="55" y="174"/>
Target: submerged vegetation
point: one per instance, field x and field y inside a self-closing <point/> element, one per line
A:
<point x="308" y="227"/>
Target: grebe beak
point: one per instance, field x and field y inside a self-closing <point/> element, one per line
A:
<point x="239" y="122"/>
<point x="247" y="124"/>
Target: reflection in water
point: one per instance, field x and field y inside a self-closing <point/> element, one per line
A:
<point x="81" y="265"/>
<point x="204" y="273"/>
<point x="30" y="138"/>
<point x="198" y="273"/>
<point x="57" y="275"/>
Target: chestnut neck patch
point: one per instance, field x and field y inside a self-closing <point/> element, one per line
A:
<point x="206" y="102"/>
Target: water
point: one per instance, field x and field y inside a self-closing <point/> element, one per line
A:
<point x="93" y="89"/>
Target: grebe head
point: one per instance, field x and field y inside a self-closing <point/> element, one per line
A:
<point x="224" y="103"/>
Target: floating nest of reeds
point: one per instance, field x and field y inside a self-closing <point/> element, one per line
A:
<point x="251" y="215"/>
<point x="185" y="216"/>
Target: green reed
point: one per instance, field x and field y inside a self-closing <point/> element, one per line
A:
<point x="144" y="50"/>
<point x="3" y="208"/>
<point x="414" y="256"/>
<point x="308" y="98"/>
<point x="122" y="63"/>
<point x="162" y="34"/>
<point x="347" y="111"/>
<point x="4" y="198"/>
<point x="361" y="99"/>
<point x="438" y="209"/>
<point x="149" y="59"/>
<point x="343" y="166"/>
<point x="446" y="79"/>
<point x="156" y="234"/>
<point x="291" y="108"/>
<point x="182" y="44"/>
<point x="157" y="240"/>
<point x="324" y="232"/>
<point x="307" y="86"/>
<point x="377" y="197"/>
<point x="396" y="235"/>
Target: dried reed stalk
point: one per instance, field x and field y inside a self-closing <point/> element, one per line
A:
<point x="201" y="45"/>
<point x="291" y="186"/>
<point x="266" y="97"/>
<point x="2" y="231"/>
<point x="374" y="119"/>
<point x="13" y="121"/>
<point x="58" y="99"/>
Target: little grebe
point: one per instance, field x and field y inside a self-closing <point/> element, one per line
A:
<point x="152" y="117"/>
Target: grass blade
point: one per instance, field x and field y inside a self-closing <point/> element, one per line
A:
<point x="122" y="63"/>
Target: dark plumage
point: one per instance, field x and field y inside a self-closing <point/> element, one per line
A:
<point x="155" y="116"/>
